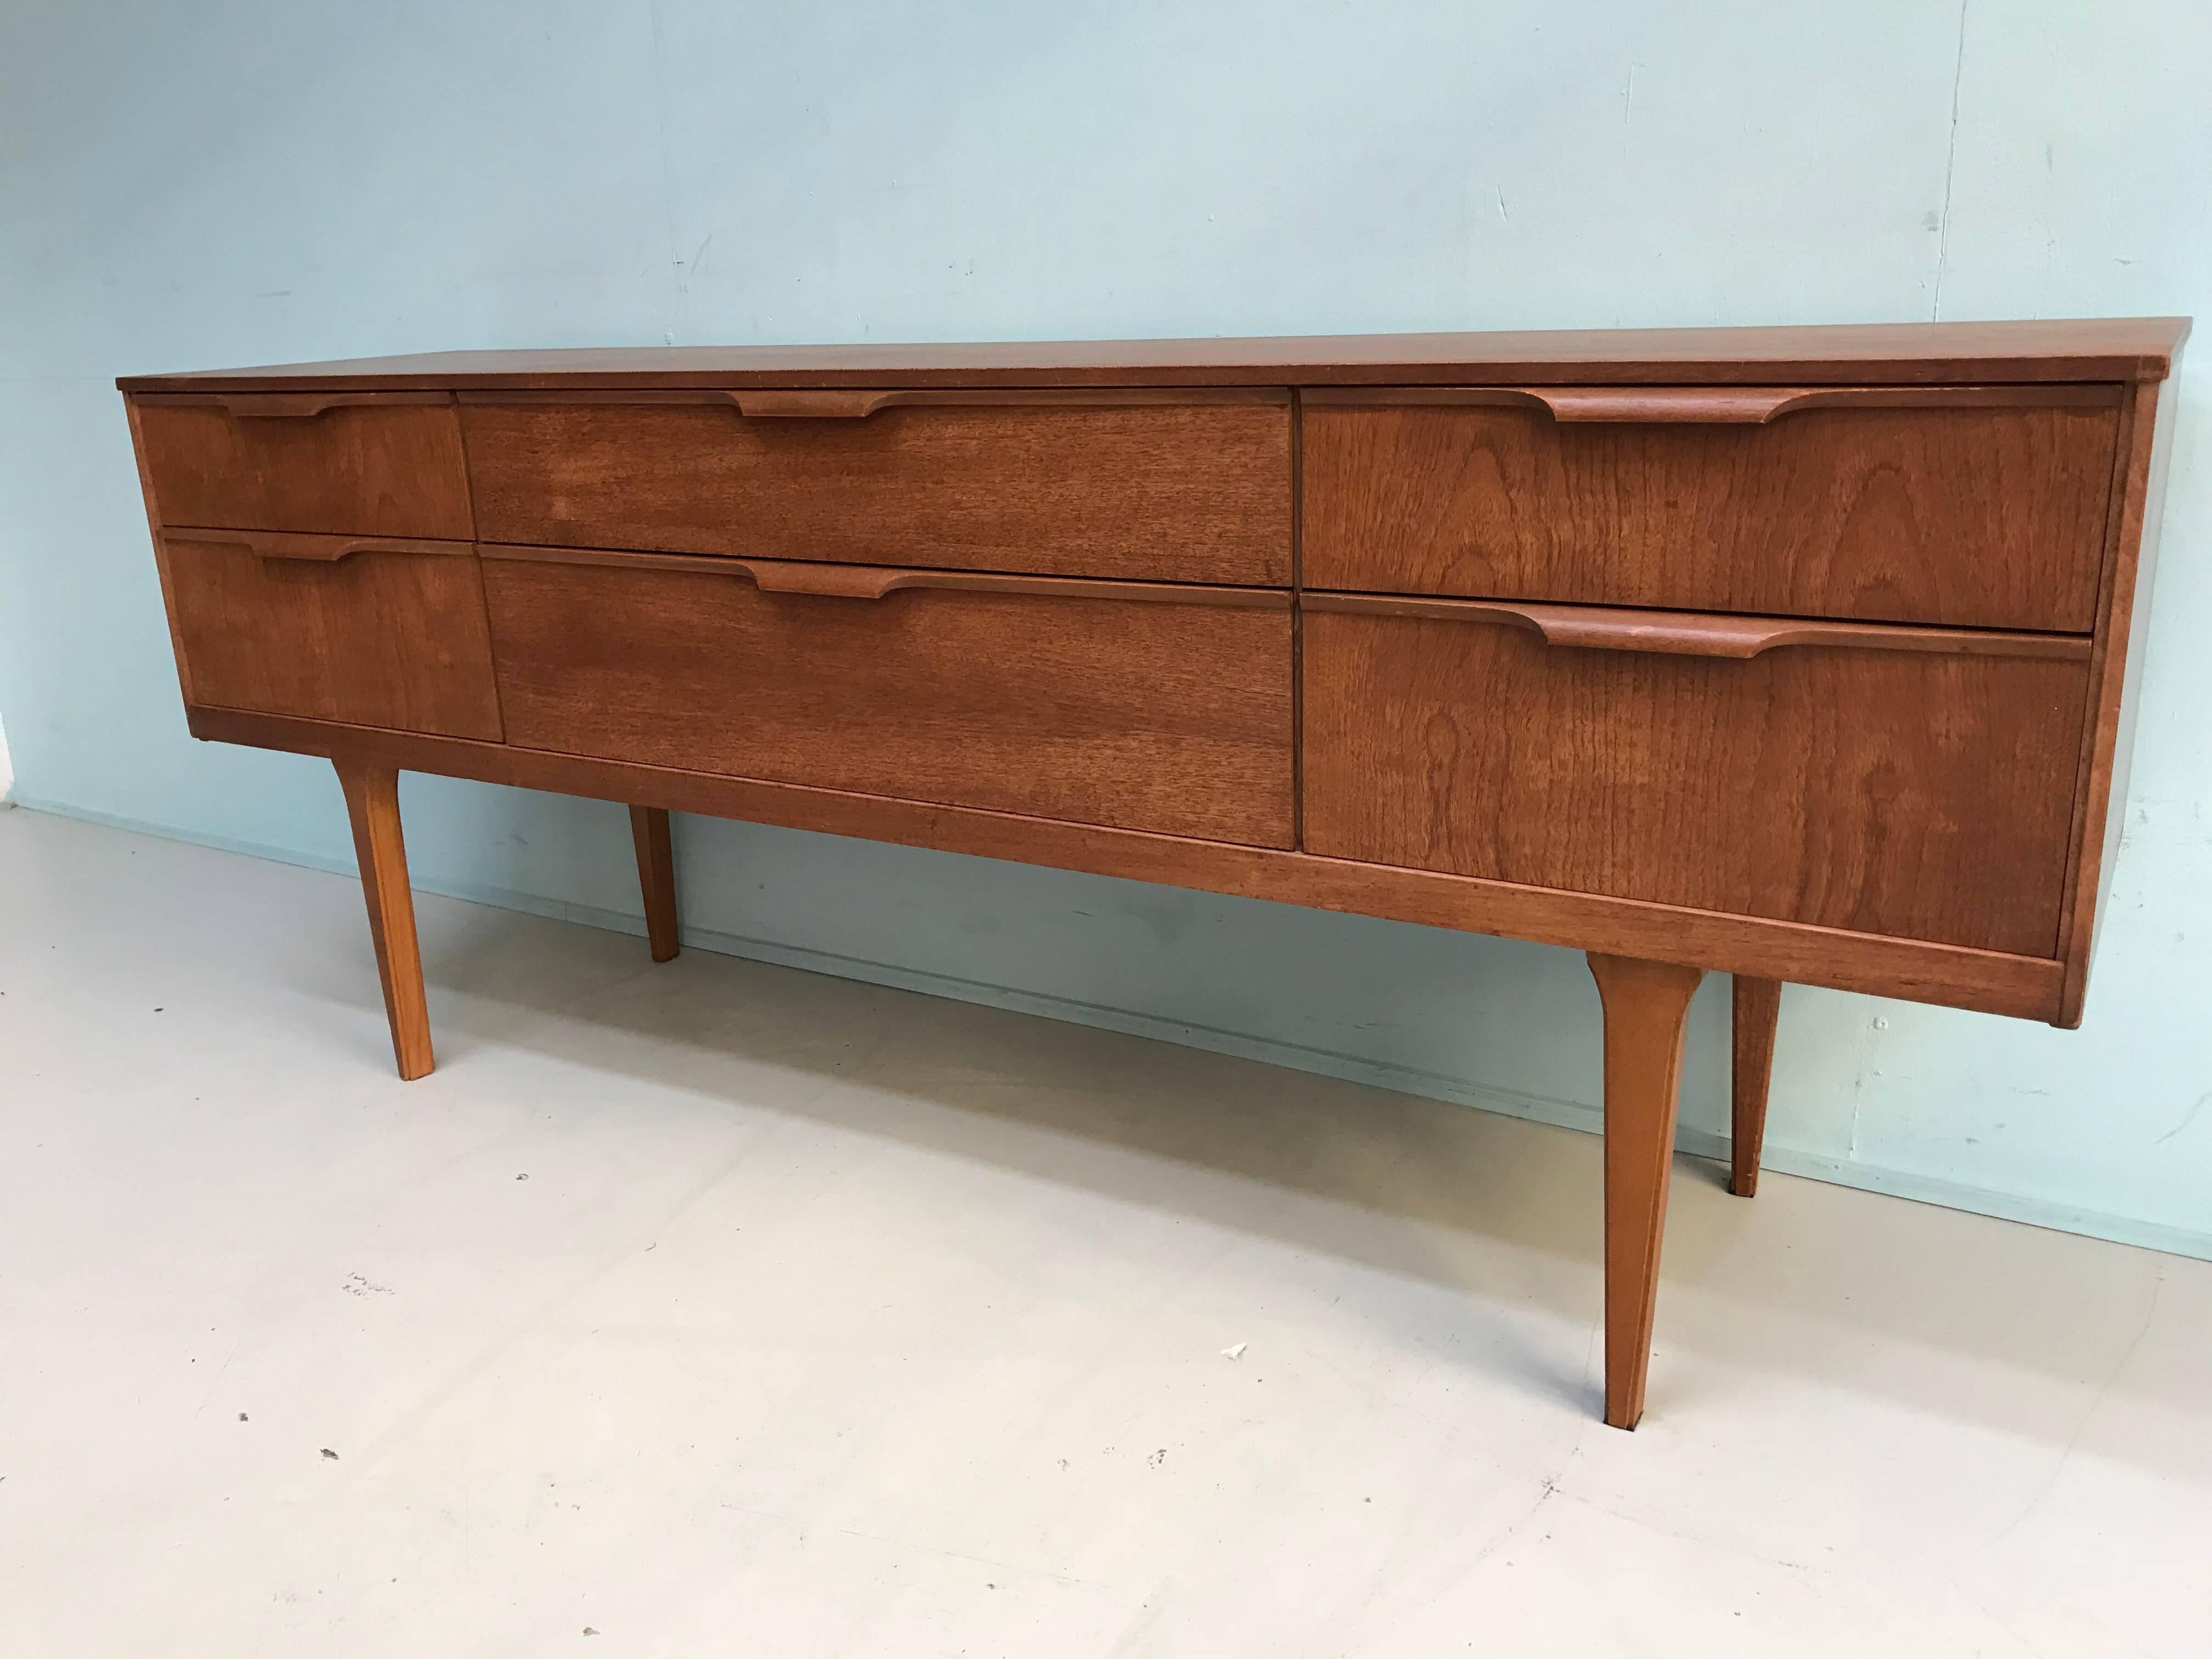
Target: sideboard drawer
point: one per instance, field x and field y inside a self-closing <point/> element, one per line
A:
<point x="1912" y="782"/>
<point x="1975" y="507"/>
<point x="369" y="631"/>
<point x="353" y="464"/>
<point x="1102" y="484"/>
<point x="1138" y="705"/>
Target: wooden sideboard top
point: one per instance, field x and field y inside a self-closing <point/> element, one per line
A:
<point x="2099" y="349"/>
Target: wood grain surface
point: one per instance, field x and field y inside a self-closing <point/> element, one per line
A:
<point x="1704" y="634"/>
<point x="1646" y="1007"/>
<point x="1978" y="516"/>
<point x="372" y="798"/>
<point x="393" y="638"/>
<point x="1923" y="796"/>
<point x="1755" y="1009"/>
<point x="1992" y="981"/>
<point x="1803" y="653"/>
<point x="1194" y="492"/>
<point x="2086" y="349"/>
<point x="1142" y="714"/>
<point x="379" y="468"/>
<point x="656" y="880"/>
<point x="2115" y="677"/>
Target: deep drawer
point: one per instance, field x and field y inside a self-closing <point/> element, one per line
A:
<point x="1975" y="507"/>
<point x="353" y="464"/>
<point x="1139" y="706"/>
<point x="370" y="631"/>
<point x="1191" y="487"/>
<point x="1917" y="783"/>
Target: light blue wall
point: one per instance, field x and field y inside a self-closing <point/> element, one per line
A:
<point x="185" y="187"/>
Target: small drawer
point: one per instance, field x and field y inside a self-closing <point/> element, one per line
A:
<point x="1135" y="705"/>
<point x="349" y="463"/>
<point x="1168" y="487"/>
<point x="1973" y="507"/>
<point x="372" y="632"/>
<point x="1912" y="782"/>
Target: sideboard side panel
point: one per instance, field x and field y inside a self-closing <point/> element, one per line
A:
<point x="161" y="554"/>
<point x="2116" y="677"/>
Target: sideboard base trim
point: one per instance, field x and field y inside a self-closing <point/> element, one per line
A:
<point x="1986" y="981"/>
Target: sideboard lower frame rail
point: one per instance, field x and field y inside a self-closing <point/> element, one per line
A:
<point x="2027" y="987"/>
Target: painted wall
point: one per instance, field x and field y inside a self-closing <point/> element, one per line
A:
<point x="240" y="183"/>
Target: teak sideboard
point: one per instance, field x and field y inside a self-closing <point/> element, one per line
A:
<point x="1801" y="654"/>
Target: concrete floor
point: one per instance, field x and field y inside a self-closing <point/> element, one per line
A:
<point x="722" y="1308"/>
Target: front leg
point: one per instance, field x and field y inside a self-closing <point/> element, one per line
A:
<point x="371" y="795"/>
<point x="1647" y="1004"/>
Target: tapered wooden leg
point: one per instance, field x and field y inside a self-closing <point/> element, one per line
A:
<point x="656" y="874"/>
<point x="371" y="795"/>
<point x="1758" y="1004"/>
<point x="1646" y="1004"/>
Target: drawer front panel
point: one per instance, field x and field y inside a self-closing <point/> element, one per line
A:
<point x="370" y="464"/>
<point x="1983" y="511"/>
<point x="329" y="628"/>
<point x="1921" y="794"/>
<point x="1169" y="713"/>
<point x="1196" y="492"/>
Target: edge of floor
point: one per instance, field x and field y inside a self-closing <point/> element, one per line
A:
<point x="1539" y="1108"/>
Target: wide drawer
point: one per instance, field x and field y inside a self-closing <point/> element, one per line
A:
<point x="1140" y="706"/>
<point x="1913" y="782"/>
<point x="370" y="631"/>
<point x="1193" y="489"/>
<point x="354" y="464"/>
<point x="1975" y="507"/>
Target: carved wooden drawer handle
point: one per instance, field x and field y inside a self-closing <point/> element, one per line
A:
<point x="834" y="581"/>
<point x="869" y="581"/>
<point x="1716" y="405"/>
<point x="324" y="549"/>
<point x="290" y="406"/>
<point x="304" y="405"/>
<point x="824" y="580"/>
<point x="1756" y="405"/>
<point x="1698" y="405"/>
<point x="279" y="406"/>
<point x="762" y="403"/>
<point x="858" y="402"/>
<point x="828" y="404"/>
<point x="1694" y="633"/>
<point x="754" y="403"/>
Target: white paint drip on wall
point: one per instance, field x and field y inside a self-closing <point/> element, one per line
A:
<point x="305" y="180"/>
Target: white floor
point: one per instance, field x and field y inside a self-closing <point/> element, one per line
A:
<point x="719" y="1308"/>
